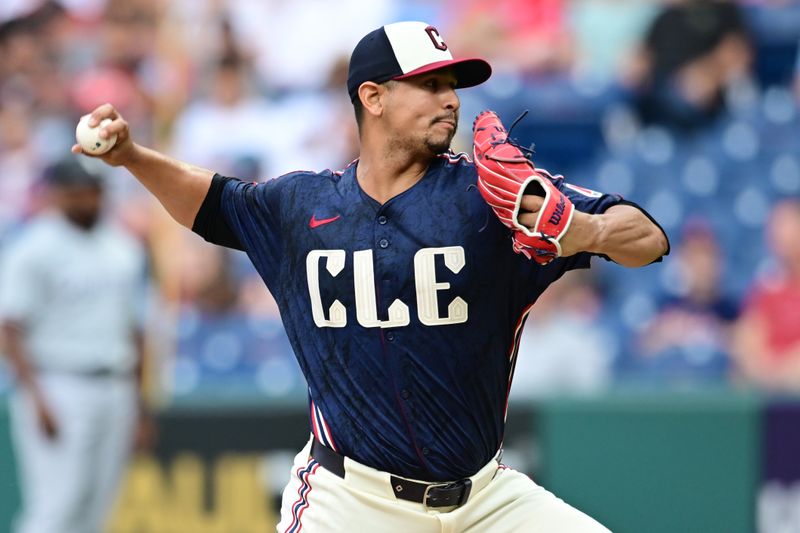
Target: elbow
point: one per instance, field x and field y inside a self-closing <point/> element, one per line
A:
<point x="655" y="246"/>
<point x="649" y="249"/>
<point x="663" y="243"/>
<point x="660" y="241"/>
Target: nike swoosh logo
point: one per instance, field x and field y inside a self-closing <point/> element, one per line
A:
<point x="315" y="223"/>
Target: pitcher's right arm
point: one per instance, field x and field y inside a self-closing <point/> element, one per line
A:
<point x="180" y="187"/>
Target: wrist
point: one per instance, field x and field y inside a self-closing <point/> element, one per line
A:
<point x="131" y="156"/>
<point x="585" y="233"/>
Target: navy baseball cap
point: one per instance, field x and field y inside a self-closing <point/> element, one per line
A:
<point x="403" y="49"/>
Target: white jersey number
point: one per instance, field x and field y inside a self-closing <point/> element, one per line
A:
<point x="364" y="285"/>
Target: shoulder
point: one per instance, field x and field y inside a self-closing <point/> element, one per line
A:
<point x="301" y="178"/>
<point x="278" y="195"/>
<point x="308" y="177"/>
<point x="35" y="240"/>
<point x="39" y="233"/>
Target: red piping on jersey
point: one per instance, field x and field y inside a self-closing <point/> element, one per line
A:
<point x="350" y="164"/>
<point x="453" y="157"/>
<point x="325" y="429"/>
<point x="512" y="356"/>
<point x="314" y="427"/>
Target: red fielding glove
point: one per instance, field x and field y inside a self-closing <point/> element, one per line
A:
<point x="504" y="176"/>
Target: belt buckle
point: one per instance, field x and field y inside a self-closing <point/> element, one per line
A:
<point x="427" y="491"/>
<point x="464" y="484"/>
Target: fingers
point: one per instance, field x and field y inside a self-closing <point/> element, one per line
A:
<point x="117" y="126"/>
<point x="102" y="112"/>
<point x="528" y="219"/>
<point x="107" y="111"/>
<point x="531" y="203"/>
<point x="529" y="210"/>
<point x="76" y="149"/>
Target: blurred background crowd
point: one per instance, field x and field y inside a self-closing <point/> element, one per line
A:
<point x="688" y="107"/>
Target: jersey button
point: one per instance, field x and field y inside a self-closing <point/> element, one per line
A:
<point x="405" y="394"/>
<point x="390" y="336"/>
<point x="382" y="220"/>
<point x="383" y="243"/>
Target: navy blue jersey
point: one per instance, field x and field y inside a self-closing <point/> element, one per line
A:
<point x="405" y="317"/>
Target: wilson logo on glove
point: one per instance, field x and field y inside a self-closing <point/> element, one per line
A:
<point x="505" y="175"/>
<point x="559" y="210"/>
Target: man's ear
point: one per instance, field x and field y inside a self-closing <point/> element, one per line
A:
<point x="370" y="94"/>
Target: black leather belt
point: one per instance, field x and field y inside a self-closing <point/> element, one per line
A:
<point x="105" y="373"/>
<point x="434" y="495"/>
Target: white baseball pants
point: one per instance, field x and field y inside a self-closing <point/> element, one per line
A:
<point x="502" y="500"/>
<point x="69" y="484"/>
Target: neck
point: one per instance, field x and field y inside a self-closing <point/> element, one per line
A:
<point x="384" y="171"/>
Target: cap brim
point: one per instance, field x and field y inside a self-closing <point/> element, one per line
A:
<point x="469" y="72"/>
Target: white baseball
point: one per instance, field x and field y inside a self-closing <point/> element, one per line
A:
<point x="89" y="138"/>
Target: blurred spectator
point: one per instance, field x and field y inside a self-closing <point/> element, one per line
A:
<point x="68" y="291"/>
<point x="687" y="340"/>
<point x="606" y="31"/>
<point x="207" y="280"/>
<point x="565" y="348"/>
<point x="20" y="165"/>
<point x="693" y="52"/>
<point x="229" y="128"/>
<point x="127" y="37"/>
<point x="307" y="119"/>
<point x="767" y="340"/>
<point x="522" y="36"/>
<point x="216" y="282"/>
<point x="295" y="42"/>
<point x="432" y="11"/>
<point x="29" y="93"/>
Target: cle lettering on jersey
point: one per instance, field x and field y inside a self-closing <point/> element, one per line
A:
<point x="426" y="284"/>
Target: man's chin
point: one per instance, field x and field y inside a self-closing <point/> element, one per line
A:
<point x="438" y="146"/>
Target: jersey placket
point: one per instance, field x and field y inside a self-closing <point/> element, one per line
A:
<point x="387" y="290"/>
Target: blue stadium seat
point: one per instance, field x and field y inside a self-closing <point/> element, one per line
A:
<point x="234" y="355"/>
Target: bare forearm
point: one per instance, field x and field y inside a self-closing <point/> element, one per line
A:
<point x="623" y="233"/>
<point x="179" y="186"/>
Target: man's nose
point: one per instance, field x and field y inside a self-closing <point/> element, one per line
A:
<point x="451" y="100"/>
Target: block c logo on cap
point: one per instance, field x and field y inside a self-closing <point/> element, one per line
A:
<point x="436" y="39"/>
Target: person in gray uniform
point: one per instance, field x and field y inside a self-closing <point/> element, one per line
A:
<point x="69" y="287"/>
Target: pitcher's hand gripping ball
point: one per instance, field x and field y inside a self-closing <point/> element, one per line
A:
<point x="89" y="138"/>
<point x="505" y="174"/>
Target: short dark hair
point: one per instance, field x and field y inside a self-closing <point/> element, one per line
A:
<point x="358" y="108"/>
